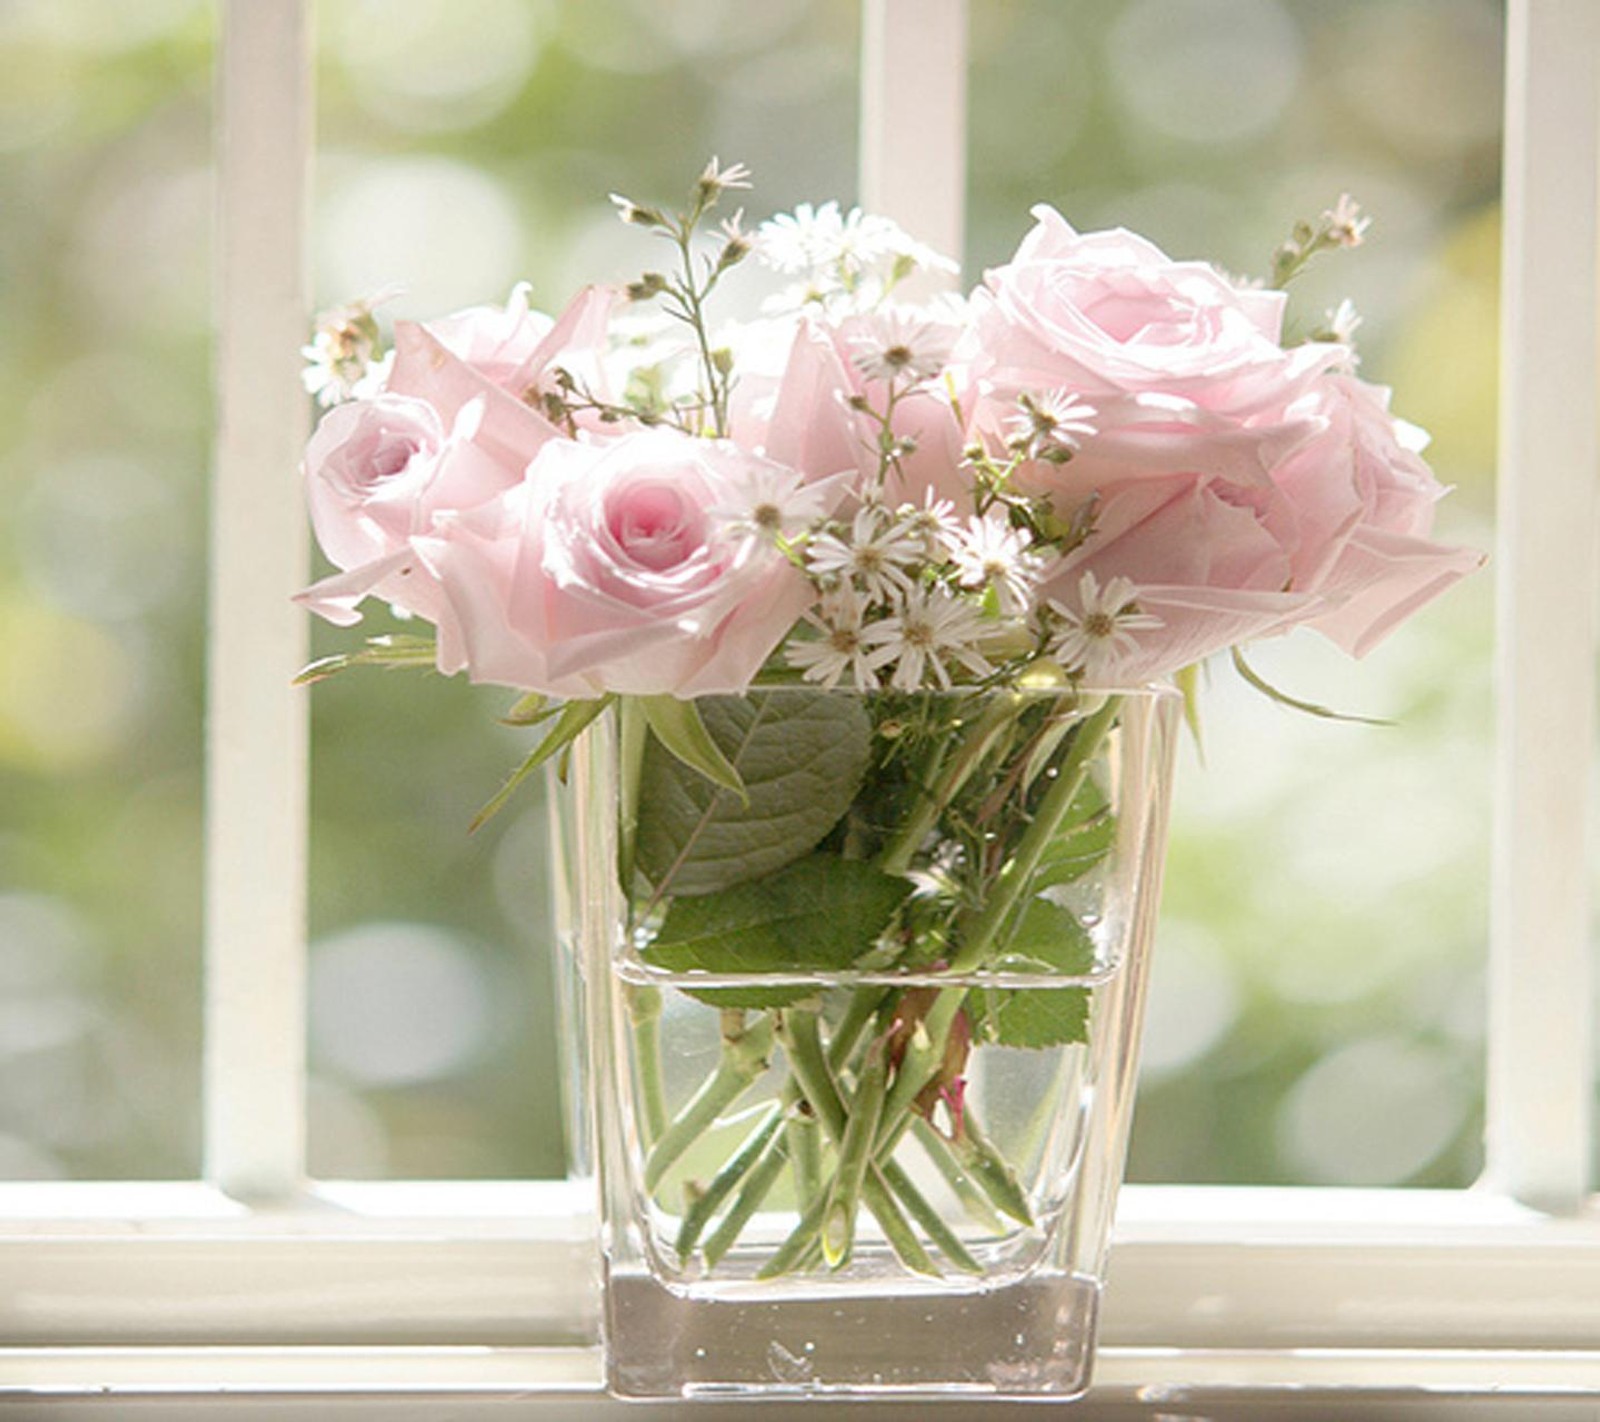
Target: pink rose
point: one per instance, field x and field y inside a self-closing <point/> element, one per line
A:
<point x="495" y="341"/>
<point x="1209" y="559"/>
<point x="606" y="570"/>
<point x="1365" y="500"/>
<point x="368" y="466"/>
<point x="377" y="472"/>
<point x="442" y="439"/>
<point x="813" y="427"/>
<point x="1108" y="314"/>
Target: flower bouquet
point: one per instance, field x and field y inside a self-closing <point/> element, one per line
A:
<point x="842" y="629"/>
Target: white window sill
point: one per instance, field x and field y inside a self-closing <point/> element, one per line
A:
<point x="1224" y="1303"/>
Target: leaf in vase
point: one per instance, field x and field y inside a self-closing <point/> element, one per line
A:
<point x="1050" y="939"/>
<point x="801" y="756"/>
<point x="818" y="915"/>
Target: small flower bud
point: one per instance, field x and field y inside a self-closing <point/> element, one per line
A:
<point x="647" y="287"/>
<point x="631" y="212"/>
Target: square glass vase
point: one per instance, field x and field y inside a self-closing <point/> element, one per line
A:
<point x="858" y="1038"/>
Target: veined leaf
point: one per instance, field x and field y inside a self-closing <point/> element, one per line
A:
<point x="1052" y="938"/>
<point x="677" y="725"/>
<point x="574" y="717"/>
<point x="820" y="914"/>
<point x="801" y="756"/>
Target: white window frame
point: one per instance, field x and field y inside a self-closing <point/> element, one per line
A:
<point x="256" y="1281"/>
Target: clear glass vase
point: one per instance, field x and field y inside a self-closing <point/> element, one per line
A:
<point x="860" y="1039"/>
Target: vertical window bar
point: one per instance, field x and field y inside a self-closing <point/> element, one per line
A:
<point x="1540" y="1063"/>
<point x="914" y="117"/>
<point x="256" y="729"/>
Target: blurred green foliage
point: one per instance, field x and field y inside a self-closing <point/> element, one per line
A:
<point x="1326" y="913"/>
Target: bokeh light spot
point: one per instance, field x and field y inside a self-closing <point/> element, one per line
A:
<point x="436" y="64"/>
<point x="393" y="1004"/>
<point x="1206" y="71"/>
<point x="1375" y="1112"/>
<point x="445" y="232"/>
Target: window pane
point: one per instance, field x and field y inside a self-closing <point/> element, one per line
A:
<point x="1317" y="1007"/>
<point x="467" y="145"/>
<point x="105" y="133"/>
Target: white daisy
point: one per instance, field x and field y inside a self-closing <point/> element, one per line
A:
<point x="894" y="343"/>
<point x="839" y="647"/>
<point x="877" y="554"/>
<point x="1100" y="631"/>
<point x="991" y="553"/>
<point x="935" y="523"/>
<point x="804" y="240"/>
<point x="1050" y="425"/>
<point x="811" y="240"/>
<point x="1345" y="224"/>
<point x="931" y="625"/>
<point x="717" y="179"/>
<point x="770" y="500"/>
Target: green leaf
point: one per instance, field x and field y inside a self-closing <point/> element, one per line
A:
<point x="1050" y="938"/>
<point x="574" y="717"/>
<point x="801" y="755"/>
<point x="394" y="650"/>
<point x="677" y="725"/>
<point x="1040" y="1017"/>
<point x="820" y="914"/>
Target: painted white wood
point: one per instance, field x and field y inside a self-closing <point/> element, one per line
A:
<point x="1541" y="1064"/>
<point x="913" y="153"/>
<point x="421" y="1385"/>
<point x="256" y="721"/>
<point x="1268" y="1271"/>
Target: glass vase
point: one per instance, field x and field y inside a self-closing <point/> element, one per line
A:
<point x="859" y="1036"/>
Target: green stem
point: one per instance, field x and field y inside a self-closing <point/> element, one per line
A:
<point x="886" y="1180"/>
<point x="986" y="1165"/>
<point x="864" y="1004"/>
<point x="631" y="737"/>
<point x="792" y="1252"/>
<point x="897" y="855"/>
<point x="804" y="1135"/>
<point x="745" y="1054"/>
<point x="855" y="1155"/>
<point x="752" y="1194"/>
<point x="708" y="1201"/>
<point x="939" y="1151"/>
<point x="977" y="927"/>
<point x="644" y="1015"/>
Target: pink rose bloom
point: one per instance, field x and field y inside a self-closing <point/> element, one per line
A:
<point x="606" y="570"/>
<point x="813" y="428"/>
<point x="1108" y="314"/>
<point x="495" y="341"/>
<point x="1365" y="498"/>
<point x="1209" y="559"/>
<point x="443" y="439"/>
<point x="377" y="472"/>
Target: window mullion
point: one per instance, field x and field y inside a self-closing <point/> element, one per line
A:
<point x="256" y="729"/>
<point x="1540" y="1065"/>
<point x="914" y="117"/>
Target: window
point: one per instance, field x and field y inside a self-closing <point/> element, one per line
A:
<point x="1210" y="1286"/>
